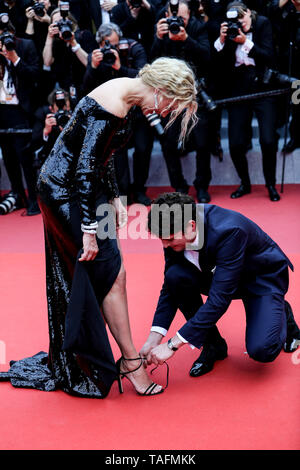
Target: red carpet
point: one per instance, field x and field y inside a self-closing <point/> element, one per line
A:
<point x="241" y="404"/>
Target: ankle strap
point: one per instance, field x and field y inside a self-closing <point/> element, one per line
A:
<point x="134" y="359"/>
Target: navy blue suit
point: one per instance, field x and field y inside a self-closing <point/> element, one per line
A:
<point x="238" y="261"/>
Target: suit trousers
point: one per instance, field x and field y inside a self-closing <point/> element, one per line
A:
<point x="239" y="116"/>
<point x="16" y="151"/>
<point x="265" y="314"/>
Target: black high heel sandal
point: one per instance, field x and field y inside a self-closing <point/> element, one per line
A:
<point x="149" y="390"/>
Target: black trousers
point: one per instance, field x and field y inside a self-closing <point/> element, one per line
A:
<point x="265" y="315"/>
<point x="16" y="152"/>
<point x="239" y="116"/>
<point x="142" y="142"/>
<point x="199" y="141"/>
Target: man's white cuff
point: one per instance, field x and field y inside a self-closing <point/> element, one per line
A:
<point x="160" y="330"/>
<point x="218" y="45"/>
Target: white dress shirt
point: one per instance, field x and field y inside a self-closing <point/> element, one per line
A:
<point x="242" y="51"/>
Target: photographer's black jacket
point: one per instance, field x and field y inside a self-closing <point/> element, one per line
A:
<point x="195" y="49"/>
<point x="25" y="73"/>
<point x="141" y="28"/>
<point x="130" y="65"/>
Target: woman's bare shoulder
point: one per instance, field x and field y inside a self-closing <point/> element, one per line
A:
<point x="111" y="95"/>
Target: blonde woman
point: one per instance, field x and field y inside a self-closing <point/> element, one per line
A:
<point x="77" y="177"/>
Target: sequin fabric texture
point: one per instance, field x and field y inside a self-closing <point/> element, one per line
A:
<point x="78" y="170"/>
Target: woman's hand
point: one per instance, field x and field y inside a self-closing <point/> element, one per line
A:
<point x="90" y="247"/>
<point x="121" y="212"/>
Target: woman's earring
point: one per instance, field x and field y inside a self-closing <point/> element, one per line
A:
<point x="155" y="101"/>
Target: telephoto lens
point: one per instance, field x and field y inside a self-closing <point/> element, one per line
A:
<point x="8" y="204"/>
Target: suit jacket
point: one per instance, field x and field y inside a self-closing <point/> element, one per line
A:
<point x="247" y="262"/>
<point x="25" y="73"/>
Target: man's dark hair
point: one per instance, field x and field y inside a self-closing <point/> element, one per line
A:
<point x="170" y="213"/>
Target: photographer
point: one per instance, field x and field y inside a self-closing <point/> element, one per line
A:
<point x="120" y="57"/>
<point x="18" y="73"/>
<point x="16" y="11"/>
<point x="49" y="122"/>
<point x="183" y="36"/>
<point x="286" y="18"/>
<point x="38" y="20"/>
<point x="244" y="49"/>
<point x="66" y="51"/>
<point x="136" y="19"/>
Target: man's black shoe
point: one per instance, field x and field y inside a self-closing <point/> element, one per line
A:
<point x="293" y="332"/>
<point x="33" y="208"/>
<point x="273" y="194"/>
<point x="241" y="191"/>
<point x="291" y="146"/>
<point x="203" y="196"/>
<point x="209" y="355"/>
<point x="141" y="198"/>
<point x="183" y="189"/>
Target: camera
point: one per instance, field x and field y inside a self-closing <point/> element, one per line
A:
<point x="174" y="22"/>
<point x="274" y="76"/>
<point x="108" y="56"/>
<point x="204" y="98"/>
<point x="65" y="25"/>
<point x="8" y="40"/>
<point x="62" y="116"/>
<point x="233" y="24"/>
<point x="135" y="3"/>
<point x="38" y="8"/>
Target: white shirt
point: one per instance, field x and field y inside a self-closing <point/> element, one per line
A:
<point x="8" y="94"/>
<point x="242" y="51"/>
<point x="105" y="14"/>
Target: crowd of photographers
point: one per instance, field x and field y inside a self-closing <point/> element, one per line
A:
<point x="52" y="53"/>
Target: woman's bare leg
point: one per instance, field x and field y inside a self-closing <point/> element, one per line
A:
<point x="115" y="310"/>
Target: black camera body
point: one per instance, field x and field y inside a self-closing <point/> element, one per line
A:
<point x="109" y="57"/>
<point x="8" y="40"/>
<point x="135" y="3"/>
<point x="174" y="22"/>
<point x="233" y="24"/>
<point x="62" y="116"/>
<point x="65" y="25"/>
<point x="38" y="8"/>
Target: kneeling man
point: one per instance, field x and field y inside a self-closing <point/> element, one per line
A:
<point x="224" y="255"/>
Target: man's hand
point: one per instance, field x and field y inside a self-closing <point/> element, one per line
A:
<point x="160" y="354"/>
<point x="50" y="121"/>
<point x="223" y="32"/>
<point x="181" y="36"/>
<point x="154" y="339"/>
<point x="241" y="38"/>
<point x="53" y="30"/>
<point x="97" y="57"/>
<point x="162" y="28"/>
<point x="117" y="64"/>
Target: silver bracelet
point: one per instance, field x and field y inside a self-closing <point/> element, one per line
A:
<point x="92" y="228"/>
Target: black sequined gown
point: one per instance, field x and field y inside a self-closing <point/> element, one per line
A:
<point x="76" y="177"/>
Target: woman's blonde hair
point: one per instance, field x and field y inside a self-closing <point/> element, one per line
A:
<point x="175" y="80"/>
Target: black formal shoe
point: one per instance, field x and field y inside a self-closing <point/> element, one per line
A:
<point x="291" y="146"/>
<point x="293" y="333"/>
<point x="33" y="208"/>
<point x="141" y="198"/>
<point x="203" y="196"/>
<point x="209" y="355"/>
<point x="273" y="194"/>
<point x="241" y="191"/>
<point x="183" y="189"/>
